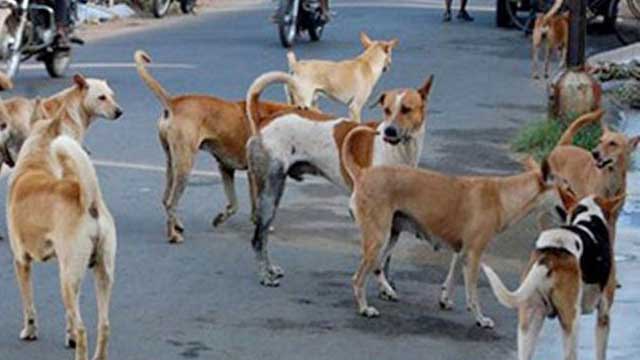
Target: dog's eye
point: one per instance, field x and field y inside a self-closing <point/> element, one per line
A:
<point x="102" y="97"/>
<point x="405" y="110"/>
<point x="387" y="111"/>
<point x="612" y="143"/>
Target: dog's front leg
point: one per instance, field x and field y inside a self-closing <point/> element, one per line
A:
<point x="446" y="296"/>
<point x="23" y="275"/>
<point x="230" y="191"/>
<point x="355" y="109"/>
<point x="471" y="270"/>
<point x="387" y="286"/>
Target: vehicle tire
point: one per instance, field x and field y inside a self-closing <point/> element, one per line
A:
<point x="57" y="63"/>
<point x="503" y="19"/>
<point x="160" y="7"/>
<point x="287" y="26"/>
<point x="624" y="22"/>
<point x="187" y="6"/>
<point x="315" y="31"/>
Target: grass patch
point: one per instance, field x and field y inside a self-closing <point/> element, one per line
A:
<point x="540" y="137"/>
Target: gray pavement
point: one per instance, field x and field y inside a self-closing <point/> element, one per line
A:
<point x="202" y="299"/>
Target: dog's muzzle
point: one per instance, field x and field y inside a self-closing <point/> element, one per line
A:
<point x="118" y="113"/>
<point x="392" y="136"/>
<point x="600" y="161"/>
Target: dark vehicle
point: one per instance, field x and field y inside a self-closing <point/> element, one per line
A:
<point x="296" y="16"/>
<point x="28" y="29"/>
<point x="161" y="7"/>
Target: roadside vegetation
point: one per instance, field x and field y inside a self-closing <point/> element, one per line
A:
<point x="538" y="138"/>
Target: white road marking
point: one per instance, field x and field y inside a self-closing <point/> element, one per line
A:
<point x="113" y="65"/>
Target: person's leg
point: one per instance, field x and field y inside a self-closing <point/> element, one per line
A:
<point x="62" y="22"/>
<point x="447" y="12"/>
<point x="463" y="14"/>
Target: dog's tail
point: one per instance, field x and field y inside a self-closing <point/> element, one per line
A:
<point x="142" y="59"/>
<point x="554" y="9"/>
<point x="75" y="163"/>
<point x="353" y="169"/>
<point x="579" y="123"/>
<point x="257" y="87"/>
<point x="291" y="59"/>
<point x="528" y="287"/>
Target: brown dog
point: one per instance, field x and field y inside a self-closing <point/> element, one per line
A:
<point x="302" y="142"/>
<point x="55" y="209"/>
<point x="571" y="271"/>
<point x="553" y="29"/>
<point x="465" y="212"/>
<point x="86" y="100"/>
<point x="190" y="123"/>
<point x="349" y="82"/>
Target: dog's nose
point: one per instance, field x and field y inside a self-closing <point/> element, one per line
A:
<point x="390" y="132"/>
<point x="119" y="112"/>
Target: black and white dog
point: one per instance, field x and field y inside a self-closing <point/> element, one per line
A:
<point x="571" y="272"/>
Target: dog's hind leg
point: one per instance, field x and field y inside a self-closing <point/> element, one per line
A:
<point x="603" y="324"/>
<point x="230" y="191"/>
<point x="270" y="180"/>
<point x="567" y="299"/>
<point x="23" y="275"/>
<point x="547" y="58"/>
<point x="104" y="273"/>
<point x="182" y="162"/>
<point x="387" y="287"/>
<point x="371" y="240"/>
<point x="446" y="296"/>
<point x="169" y="168"/>
<point x="471" y="271"/>
<point x="71" y="275"/>
<point x="530" y="320"/>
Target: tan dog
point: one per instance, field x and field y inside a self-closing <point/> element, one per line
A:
<point x="465" y="212"/>
<point x="190" y="123"/>
<point x="55" y="209"/>
<point x="602" y="172"/>
<point x="571" y="271"/>
<point x="85" y="101"/>
<point x="349" y="82"/>
<point x="553" y="29"/>
<point x="302" y="142"/>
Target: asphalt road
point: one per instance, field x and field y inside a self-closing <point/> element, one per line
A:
<point x="202" y="299"/>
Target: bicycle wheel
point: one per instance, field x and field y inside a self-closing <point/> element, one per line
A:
<point x="625" y="23"/>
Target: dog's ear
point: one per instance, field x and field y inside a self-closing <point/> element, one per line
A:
<point x="379" y="101"/>
<point x="547" y="178"/>
<point x="529" y="163"/>
<point x="389" y="45"/>
<point x="364" y="39"/>
<point x="425" y="89"/>
<point x="633" y="142"/>
<point x="568" y="197"/>
<point x="80" y="81"/>
<point x="610" y="205"/>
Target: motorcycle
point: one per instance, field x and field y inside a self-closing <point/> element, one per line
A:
<point x="160" y="7"/>
<point x="296" y="16"/>
<point x="28" y="29"/>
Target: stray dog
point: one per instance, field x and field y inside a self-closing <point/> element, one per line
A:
<point x="554" y="29"/>
<point x="465" y="212"/>
<point x="86" y="100"/>
<point x="306" y="142"/>
<point x="190" y="123"/>
<point x="55" y="209"/>
<point x="571" y="271"/>
<point x="349" y="82"/>
<point x="603" y="172"/>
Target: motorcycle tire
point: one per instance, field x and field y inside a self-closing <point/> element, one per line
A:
<point x="57" y="63"/>
<point x="315" y="32"/>
<point x="287" y="27"/>
<point x="187" y="6"/>
<point x="160" y="7"/>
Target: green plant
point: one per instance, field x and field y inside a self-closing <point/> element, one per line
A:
<point x="538" y="138"/>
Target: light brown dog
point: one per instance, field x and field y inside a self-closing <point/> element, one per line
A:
<point x="553" y="29"/>
<point x="55" y="209"/>
<point x="602" y="172"/>
<point x="465" y="212"/>
<point x="349" y="82"/>
<point x="190" y="123"/>
<point x="86" y="100"/>
<point x="304" y="142"/>
<point x="571" y="272"/>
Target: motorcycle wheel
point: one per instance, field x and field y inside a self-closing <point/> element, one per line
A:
<point x="187" y="6"/>
<point x="57" y="63"/>
<point x="160" y="7"/>
<point x="287" y="26"/>
<point x="315" y="32"/>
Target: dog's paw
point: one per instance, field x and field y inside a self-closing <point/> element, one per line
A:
<point x="29" y="333"/>
<point x="178" y="227"/>
<point x="176" y="238"/>
<point x="445" y="303"/>
<point x="219" y="219"/>
<point x="269" y="280"/>
<point x="370" y="312"/>
<point x="388" y="295"/>
<point x="485" y="322"/>
<point x="276" y="271"/>
<point x="69" y="341"/>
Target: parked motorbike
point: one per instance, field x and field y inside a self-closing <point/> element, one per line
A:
<point x="296" y="16"/>
<point x="28" y="29"/>
<point x="161" y="7"/>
